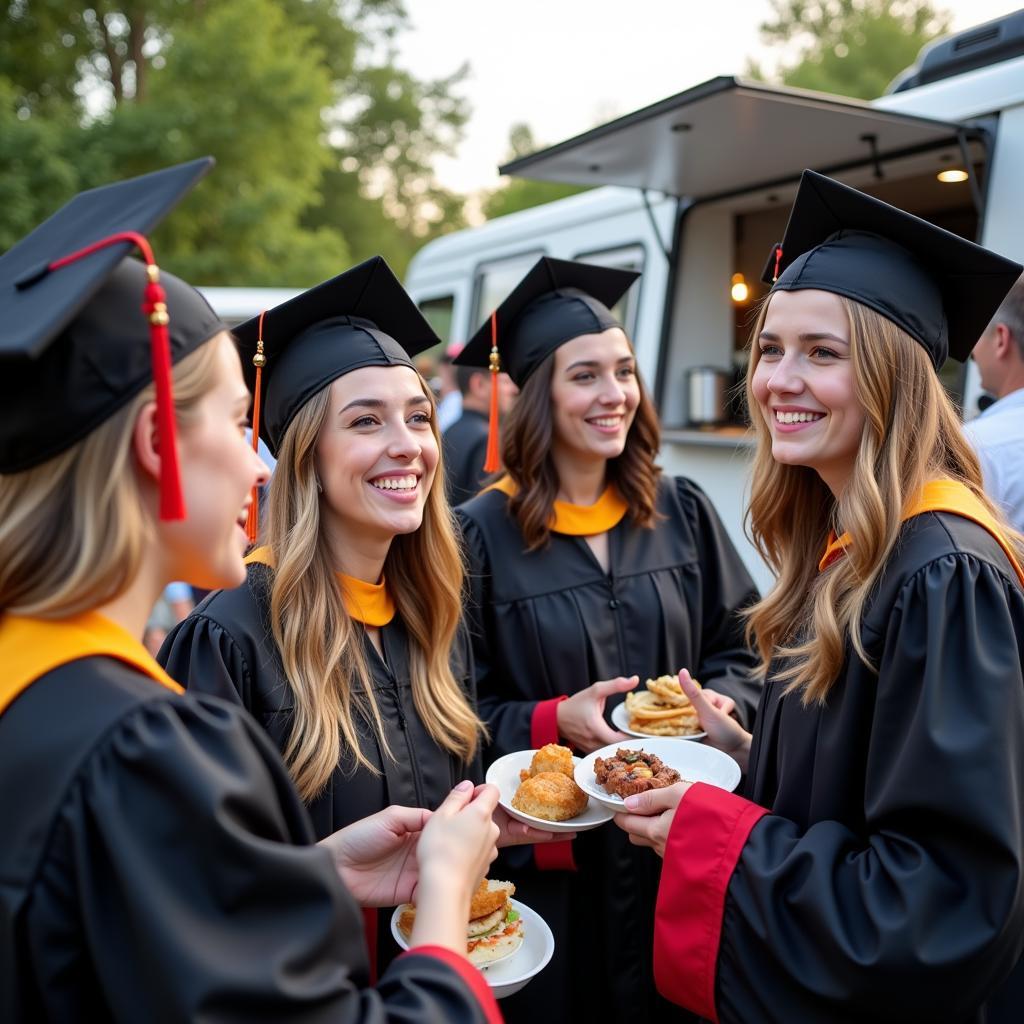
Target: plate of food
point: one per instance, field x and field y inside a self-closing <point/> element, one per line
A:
<point x="619" y="770"/>
<point x="662" y="709"/>
<point x="508" y="941"/>
<point x="538" y="787"/>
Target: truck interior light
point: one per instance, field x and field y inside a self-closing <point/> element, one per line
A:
<point x="952" y="175"/>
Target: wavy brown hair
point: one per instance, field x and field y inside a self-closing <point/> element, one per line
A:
<point x="526" y="454"/>
<point x="321" y="646"/>
<point x="74" y="530"/>
<point x="912" y="434"/>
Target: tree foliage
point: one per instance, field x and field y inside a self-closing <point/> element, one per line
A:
<point x="849" y="47"/>
<point x="521" y="193"/>
<point x="324" y="145"/>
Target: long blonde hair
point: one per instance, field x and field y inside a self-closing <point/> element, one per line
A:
<point x="321" y="646"/>
<point x="912" y="434"/>
<point x="74" y="530"/>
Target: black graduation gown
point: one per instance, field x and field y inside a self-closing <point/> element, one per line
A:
<point x="552" y="622"/>
<point x="158" y="866"/>
<point x="225" y="647"/>
<point x="887" y="884"/>
<point x="465" y="451"/>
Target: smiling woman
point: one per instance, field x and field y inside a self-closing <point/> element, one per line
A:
<point x="343" y="640"/>
<point x="589" y="568"/>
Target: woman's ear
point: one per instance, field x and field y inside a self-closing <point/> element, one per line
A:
<point x="145" y="443"/>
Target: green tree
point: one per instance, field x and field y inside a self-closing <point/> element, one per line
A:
<point x="520" y="193"/>
<point x="284" y="93"/>
<point x="849" y="47"/>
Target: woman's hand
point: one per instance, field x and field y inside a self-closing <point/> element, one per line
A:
<point x="651" y="815"/>
<point x="376" y="857"/>
<point x="581" y="717"/>
<point x="454" y="851"/>
<point x="713" y="711"/>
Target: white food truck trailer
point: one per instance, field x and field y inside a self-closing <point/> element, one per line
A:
<point x="696" y="189"/>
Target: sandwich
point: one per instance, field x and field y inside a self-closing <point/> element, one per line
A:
<point x="494" y="929"/>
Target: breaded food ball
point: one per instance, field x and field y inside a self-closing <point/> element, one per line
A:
<point x="551" y="796"/>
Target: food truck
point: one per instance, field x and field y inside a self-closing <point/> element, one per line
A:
<point x="695" y="189"/>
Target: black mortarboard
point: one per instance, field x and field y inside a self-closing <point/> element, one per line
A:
<point x="558" y="300"/>
<point x="363" y="317"/>
<point x="940" y="288"/>
<point x="77" y="315"/>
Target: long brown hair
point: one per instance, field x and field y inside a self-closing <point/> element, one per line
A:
<point x="74" y="530"/>
<point x="526" y="454"/>
<point x="321" y="646"/>
<point x="911" y="435"/>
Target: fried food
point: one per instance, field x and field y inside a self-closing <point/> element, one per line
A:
<point x="551" y="796"/>
<point x="633" y="771"/>
<point x="662" y="709"/>
<point x="550" y="758"/>
<point x="489" y="897"/>
<point x="668" y="691"/>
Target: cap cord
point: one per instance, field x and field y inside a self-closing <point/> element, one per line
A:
<point x="154" y="305"/>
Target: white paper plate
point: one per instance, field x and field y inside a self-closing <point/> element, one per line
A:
<point x="695" y="762"/>
<point x="620" y="719"/>
<point x="504" y="774"/>
<point x="511" y="973"/>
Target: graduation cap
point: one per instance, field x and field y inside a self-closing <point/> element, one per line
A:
<point x="76" y="313"/>
<point x="558" y="300"/>
<point x="291" y="352"/>
<point x="938" y="287"/>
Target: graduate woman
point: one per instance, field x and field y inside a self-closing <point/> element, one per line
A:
<point x="340" y="641"/>
<point x="875" y="870"/>
<point x="589" y="567"/>
<point x="157" y="863"/>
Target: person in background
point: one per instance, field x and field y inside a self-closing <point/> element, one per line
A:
<point x="874" y="870"/>
<point x="997" y="434"/>
<point x="449" y="399"/>
<point x="465" y="441"/>
<point x="157" y="863"/>
<point x="171" y="607"/>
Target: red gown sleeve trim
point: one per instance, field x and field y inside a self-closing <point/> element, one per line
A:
<point x="544" y="730"/>
<point x="544" y="722"/>
<point x="707" y="837"/>
<point x="469" y="974"/>
<point x="370" y="927"/>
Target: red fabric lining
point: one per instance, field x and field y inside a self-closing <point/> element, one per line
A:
<point x="469" y="974"/>
<point x="370" y="928"/>
<point x="707" y="837"/>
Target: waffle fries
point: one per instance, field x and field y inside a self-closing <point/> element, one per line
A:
<point x="662" y="709"/>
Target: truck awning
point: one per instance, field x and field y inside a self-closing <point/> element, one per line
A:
<point x="728" y="136"/>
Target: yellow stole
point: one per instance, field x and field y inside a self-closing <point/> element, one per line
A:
<point x="368" y="603"/>
<point x="938" y="496"/>
<point x="30" y="648"/>
<point x="578" y="520"/>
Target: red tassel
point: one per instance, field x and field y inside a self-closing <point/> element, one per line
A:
<point x="778" y="260"/>
<point x="252" y="519"/>
<point x="493" y="461"/>
<point x="154" y="305"/>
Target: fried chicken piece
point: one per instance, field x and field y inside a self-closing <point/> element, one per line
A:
<point x="486" y="900"/>
<point x="551" y="796"/>
<point x="633" y="771"/>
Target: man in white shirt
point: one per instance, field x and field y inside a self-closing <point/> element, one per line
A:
<point x="998" y="433"/>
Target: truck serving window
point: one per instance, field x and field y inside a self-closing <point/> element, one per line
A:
<point x="438" y="312"/>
